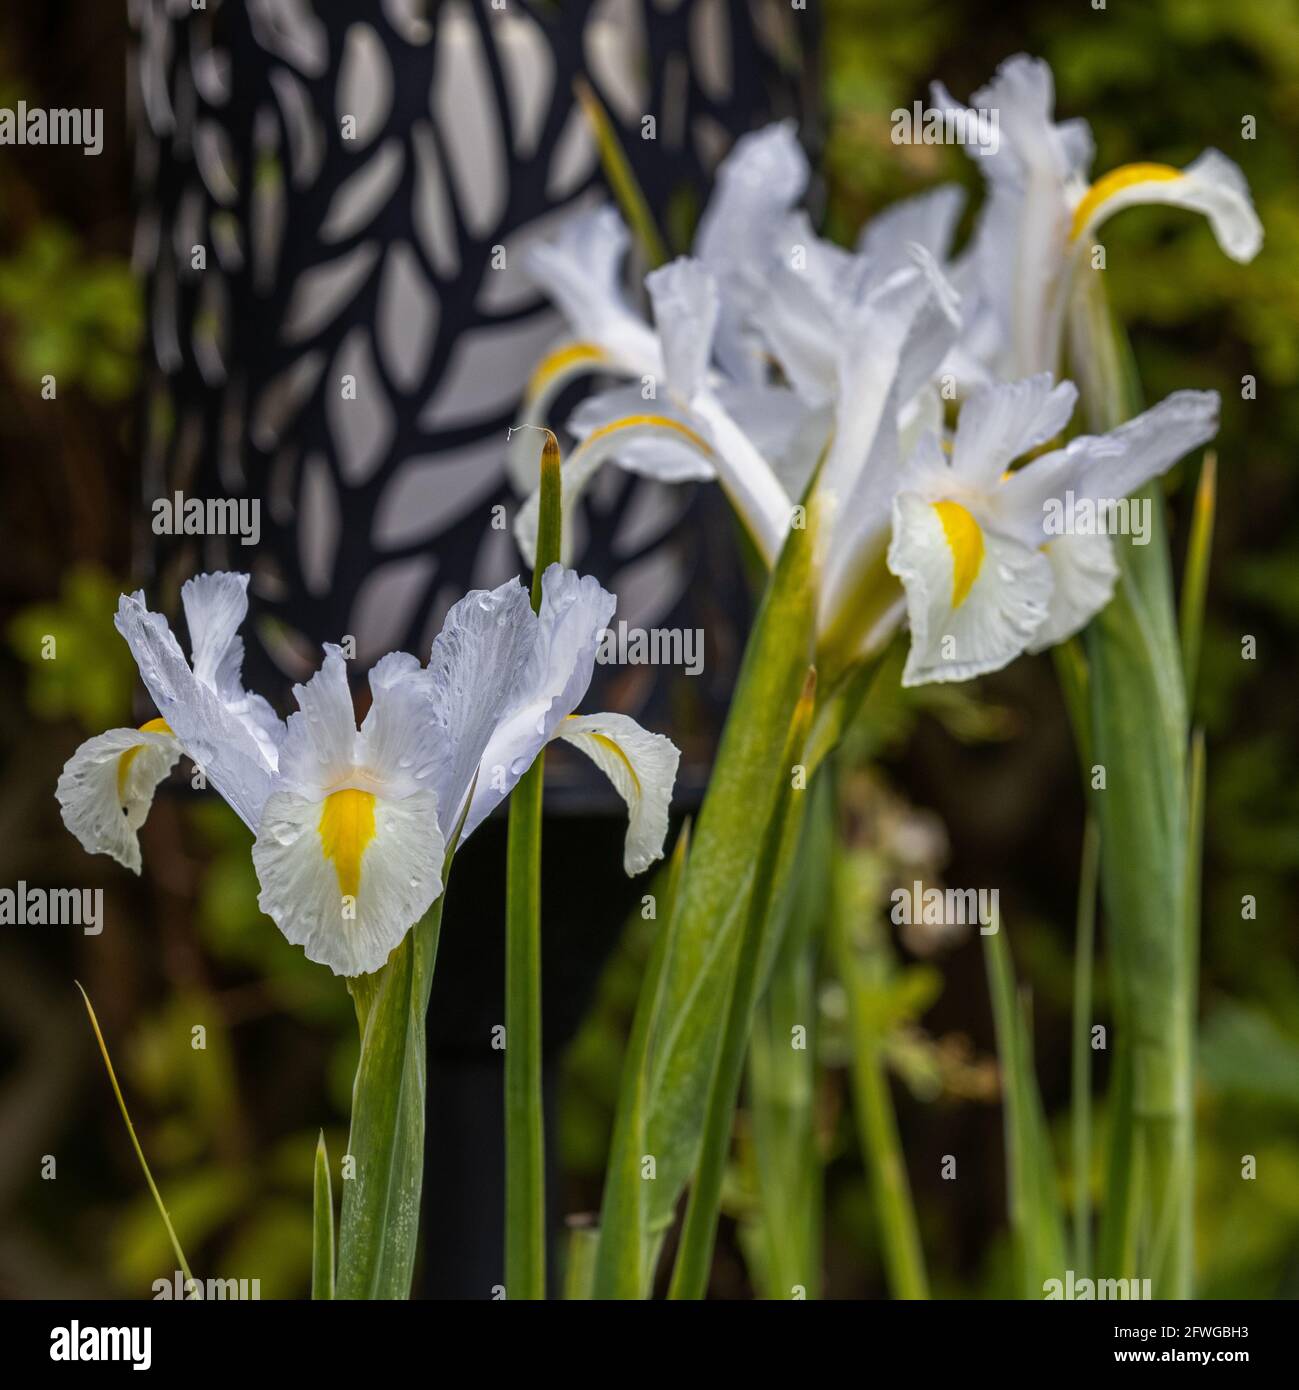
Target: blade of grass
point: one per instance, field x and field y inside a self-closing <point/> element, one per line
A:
<point x="621" y="1263"/>
<point x="1195" y="577"/>
<point x="1196" y="774"/>
<point x="1139" y="734"/>
<point x="1037" y="1225"/>
<point x="579" y="1272"/>
<point x="622" y="181"/>
<point x="1083" y="967"/>
<point x="322" y="1226"/>
<point x="1071" y="672"/>
<point x="1116" y="1254"/>
<point x="877" y="1128"/>
<point x="695" y="1251"/>
<point x="782" y="1078"/>
<point x="746" y="781"/>
<point x="135" y="1142"/>
<point x="525" y="1149"/>
<point x="864" y="964"/>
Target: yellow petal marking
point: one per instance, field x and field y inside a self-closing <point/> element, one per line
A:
<point x="564" y="359"/>
<point x="659" y="422"/>
<point x="605" y="741"/>
<point x="1115" y="182"/>
<point x="153" y="726"/>
<point x="346" y="828"/>
<point x="965" y="541"/>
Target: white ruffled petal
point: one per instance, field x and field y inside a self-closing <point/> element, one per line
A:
<point x="685" y="300"/>
<point x="401" y="744"/>
<point x="970" y="620"/>
<point x="1084" y="573"/>
<point x="928" y="220"/>
<point x="575" y="609"/>
<point x="662" y="455"/>
<point x="609" y="442"/>
<point x="215" y="607"/>
<point x="319" y="749"/>
<point x="581" y="270"/>
<point x="1000" y="423"/>
<point x="642" y="767"/>
<point x="350" y="926"/>
<point x="107" y="787"/>
<point x="233" y="756"/>
<point x="1107" y="466"/>
<point x="757" y="183"/>
<point x="477" y="666"/>
<point x="1212" y="184"/>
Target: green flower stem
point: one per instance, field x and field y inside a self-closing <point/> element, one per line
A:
<point x="1139" y="734"/>
<point x="1084" y="959"/>
<point x="621" y="1263"/>
<point x="525" y="1148"/>
<point x="749" y="774"/>
<point x="626" y="190"/>
<point x="859" y="965"/>
<point x="1036" y="1218"/>
<point x="525" y="1176"/>
<point x="895" y="1210"/>
<point x="694" y="1254"/>
<point x="1195" y="577"/>
<point x="579" y="1274"/>
<point x="782" y="1078"/>
<point x="379" y="1225"/>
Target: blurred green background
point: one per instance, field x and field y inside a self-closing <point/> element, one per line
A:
<point x="975" y="786"/>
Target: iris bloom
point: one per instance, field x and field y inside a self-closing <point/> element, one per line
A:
<point x="352" y="825"/>
<point x="581" y="269"/>
<point x="1043" y="212"/>
<point x="860" y="339"/>
<point x="694" y="368"/>
<point x="971" y="541"/>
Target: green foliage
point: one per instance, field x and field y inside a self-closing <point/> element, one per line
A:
<point x="71" y="315"/>
<point x="77" y="666"/>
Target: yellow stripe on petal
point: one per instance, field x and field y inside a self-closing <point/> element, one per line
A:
<point x="965" y="541"/>
<point x="154" y="726"/>
<point x="1115" y="182"/>
<point x="563" y="360"/>
<point x="346" y="828"/>
<point x="606" y="742"/>
<point x="658" y="421"/>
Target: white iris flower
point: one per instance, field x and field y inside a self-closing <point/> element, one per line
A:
<point x="352" y="825"/>
<point x="859" y="340"/>
<point x="699" y="365"/>
<point x="862" y="340"/>
<point x="971" y="541"/>
<point x="1043" y="211"/>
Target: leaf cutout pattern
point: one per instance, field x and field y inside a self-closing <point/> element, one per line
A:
<point x="281" y="258"/>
